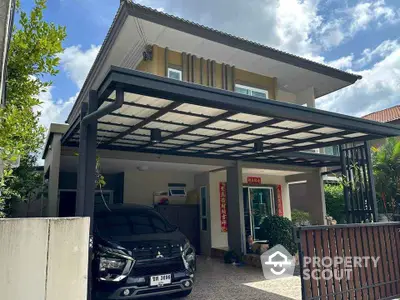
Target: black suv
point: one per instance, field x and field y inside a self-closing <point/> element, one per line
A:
<point x="137" y="253"/>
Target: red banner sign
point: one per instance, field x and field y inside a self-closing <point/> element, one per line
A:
<point x="279" y="203"/>
<point x="223" y="207"/>
<point x="254" y="180"/>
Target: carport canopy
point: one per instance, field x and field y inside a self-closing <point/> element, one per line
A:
<point x="141" y="112"/>
<point x="166" y="116"/>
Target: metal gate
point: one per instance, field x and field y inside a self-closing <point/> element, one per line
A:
<point x="322" y="248"/>
<point x="358" y="183"/>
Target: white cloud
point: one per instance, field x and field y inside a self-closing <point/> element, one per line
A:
<point x="53" y="111"/>
<point x="381" y="51"/>
<point x="366" y="12"/>
<point x="296" y="21"/>
<point x="344" y="24"/>
<point x="379" y="88"/>
<point x="77" y="62"/>
<point x="342" y="63"/>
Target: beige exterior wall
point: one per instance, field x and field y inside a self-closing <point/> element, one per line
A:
<point x="139" y="186"/>
<point x="157" y="66"/>
<point x="44" y="258"/>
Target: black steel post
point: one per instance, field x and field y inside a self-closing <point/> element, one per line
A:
<point x="296" y="232"/>
<point x="371" y="181"/>
<point x="81" y="183"/>
<point x="345" y="188"/>
<point x="90" y="179"/>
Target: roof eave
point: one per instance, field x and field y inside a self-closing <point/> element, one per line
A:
<point x="180" y="24"/>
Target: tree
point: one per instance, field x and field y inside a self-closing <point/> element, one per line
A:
<point x="26" y="185"/>
<point x="334" y="200"/>
<point x="33" y="56"/>
<point x="386" y="167"/>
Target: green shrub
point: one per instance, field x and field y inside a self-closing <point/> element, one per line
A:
<point x="334" y="199"/>
<point x="300" y="217"/>
<point x="278" y="230"/>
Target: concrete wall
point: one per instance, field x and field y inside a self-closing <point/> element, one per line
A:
<point x="139" y="186"/>
<point x="52" y="156"/>
<point x="312" y="198"/>
<point x="44" y="259"/>
<point x="306" y="97"/>
<point x="220" y="239"/>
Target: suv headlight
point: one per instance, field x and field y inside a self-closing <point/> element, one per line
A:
<point x="188" y="254"/>
<point x="107" y="263"/>
<point x="114" y="264"/>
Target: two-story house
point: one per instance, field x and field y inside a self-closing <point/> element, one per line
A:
<point x="195" y="117"/>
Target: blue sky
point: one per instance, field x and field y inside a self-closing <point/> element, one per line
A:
<point x="360" y="36"/>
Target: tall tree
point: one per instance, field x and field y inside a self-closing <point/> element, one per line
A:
<point x="386" y="166"/>
<point x="33" y="57"/>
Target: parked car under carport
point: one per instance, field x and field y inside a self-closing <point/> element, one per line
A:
<point x="137" y="253"/>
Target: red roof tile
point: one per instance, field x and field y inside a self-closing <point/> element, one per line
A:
<point x="384" y="116"/>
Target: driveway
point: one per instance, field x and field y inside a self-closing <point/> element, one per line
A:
<point x="216" y="280"/>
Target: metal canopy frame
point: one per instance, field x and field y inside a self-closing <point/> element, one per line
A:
<point x="207" y="122"/>
<point x="199" y="121"/>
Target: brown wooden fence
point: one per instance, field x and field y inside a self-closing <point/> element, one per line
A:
<point x="330" y="261"/>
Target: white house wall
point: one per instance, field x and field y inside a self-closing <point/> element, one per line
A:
<point x="220" y="239"/>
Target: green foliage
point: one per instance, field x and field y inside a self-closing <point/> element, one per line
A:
<point x="24" y="185"/>
<point x="386" y="167"/>
<point x="334" y="200"/>
<point x="300" y="217"/>
<point x="33" y="55"/>
<point x="278" y="230"/>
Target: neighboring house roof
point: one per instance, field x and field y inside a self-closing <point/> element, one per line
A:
<point x="135" y="25"/>
<point x="385" y="116"/>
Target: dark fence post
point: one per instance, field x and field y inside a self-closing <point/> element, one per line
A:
<point x="371" y="181"/>
<point x="297" y="240"/>
<point x="345" y="187"/>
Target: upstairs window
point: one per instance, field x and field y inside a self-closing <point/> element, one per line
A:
<point x="175" y="74"/>
<point x="247" y="90"/>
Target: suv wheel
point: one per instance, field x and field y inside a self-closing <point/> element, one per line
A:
<point x="182" y="294"/>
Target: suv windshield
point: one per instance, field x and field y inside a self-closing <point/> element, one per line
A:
<point x="131" y="223"/>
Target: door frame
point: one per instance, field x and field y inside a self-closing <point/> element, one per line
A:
<point x="272" y="188"/>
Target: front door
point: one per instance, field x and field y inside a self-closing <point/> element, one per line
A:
<point x="261" y="205"/>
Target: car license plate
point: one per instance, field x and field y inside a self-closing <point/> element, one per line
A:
<point x="160" y="280"/>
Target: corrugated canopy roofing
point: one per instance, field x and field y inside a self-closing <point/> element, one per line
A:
<point x="207" y="122"/>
